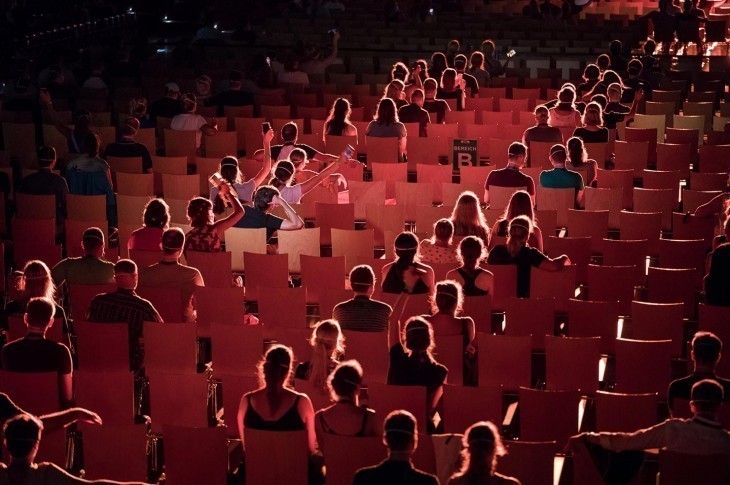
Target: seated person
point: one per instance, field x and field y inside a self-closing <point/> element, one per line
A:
<point x="474" y="280"/>
<point x="90" y="269"/>
<point x="387" y="125"/>
<point x="407" y="274"/>
<point x="362" y="313"/>
<point x="440" y="249"/>
<point x="482" y="445"/>
<point x="560" y="177"/>
<point x="189" y="120"/>
<point x="257" y="216"/>
<point x="128" y="147"/>
<point x="289" y="134"/>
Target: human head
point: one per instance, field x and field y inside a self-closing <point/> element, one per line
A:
<point x="418" y="336"/>
<point x="172" y="90"/>
<point x="276" y="367"/>
<point x="125" y="274"/>
<point x="340" y="110"/>
<point x="22" y="437"/>
<point x="438" y="61"/>
<point x="283" y="172"/>
<point x="591" y="73"/>
<point x="558" y="156"/>
<point x="649" y="47"/>
<point x="453" y="46"/>
<point x="430" y="86"/>
<point x="471" y="251"/>
<point x="566" y="95"/>
<point x="82" y="120"/>
<point x="706" y="349"/>
<point x="46" y="157"/>
<point x="406" y="247"/>
<point x="706" y="397"/>
<point x="447" y="298"/>
<point x="189" y="102"/>
<point x="603" y="62"/>
<point x="234" y="80"/>
<point x="298" y="158"/>
<point x="327" y="344"/>
<point x="36" y="281"/>
<point x="481" y="446"/>
<point x="400" y="72"/>
<point x="394" y="89"/>
<point x="615" y="47"/>
<point x="128" y="130"/>
<point x="92" y="242"/>
<point x="362" y="279"/>
<point x="634" y="67"/>
<point x="133" y="122"/>
<point x="289" y="132"/>
<point x="173" y="241"/>
<point x="200" y="212"/>
<point x="417" y="97"/>
<point x="460" y="62"/>
<point x="344" y="382"/>
<point x="593" y="115"/>
<point x="156" y="214"/>
<point x="476" y="60"/>
<point x="202" y="85"/>
<point x="613" y="92"/>
<point x="92" y="144"/>
<point x="229" y="169"/>
<point x="39" y="313"/>
<point x="609" y="77"/>
<point x="488" y="48"/>
<point x="443" y="230"/>
<point x="520" y="228"/>
<point x="517" y="153"/>
<point x="576" y="151"/>
<point x="399" y="432"/>
<point x="386" y="113"/>
<point x="541" y="114"/>
<point x="467" y="214"/>
<point x="291" y="62"/>
<point x="600" y="100"/>
<point x="520" y="204"/>
<point x="263" y="196"/>
<point x="448" y="80"/>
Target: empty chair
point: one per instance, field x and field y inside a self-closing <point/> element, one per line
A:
<point x="530" y="316"/>
<point x="667" y="285"/>
<point x="240" y="241"/>
<point x="556" y="199"/>
<point x="643" y="366"/>
<point x="196" y="455"/>
<point x="613" y="283"/>
<point x="656" y="200"/>
<point x="267" y="270"/>
<point x="102" y="347"/>
<point x="548" y="415"/>
<point x="282" y="307"/>
<point x="295" y="244"/>
<point x="659" y="321"/>
<point x="464" y="406"/>
<point x="572" y="363"/>
<point x="625" y="412"/>
<point x="345" y="455"/>
<point x="237" y="349"/>
<point x="504" y="360"/>
<point x="329" y="216"/>
<point x="170" y="347"/>
<point x="594" y="319"/>
<point x="528" y="461"/>
<point x="178" y="400"/>
<point x="215" y="268"/>
<point x="641" y="225"/>
<point x="386" y="398"/>
<point x="109" y="394"/>
<point x="371" y="350"/>
<point x="104" y="445"/>
<point x="559" y="285"/>
<point x="352" y="245"/>
<point x="588" y="223"/>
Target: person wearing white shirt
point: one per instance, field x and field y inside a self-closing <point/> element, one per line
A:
<point x="188" y="120"/>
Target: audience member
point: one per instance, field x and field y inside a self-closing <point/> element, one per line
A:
<point x="169" y="273"/>
<point x="579" y="162"/>
<point x="452" y="87"/>
<point x="315" y="63"/>
<point x="615" y="111"/>
<point x="188" y="120"/>
<point x="560" y="177"/>
<point x="127" y="147"/>
<point x="615" y="52"/>
<point x="284" y="176"/>
<point x="511" y="175"/>
<point x="440" y="249"/>
<point x="386" y="125"/>
<point x="438" y="65"/>
<point x="22" y="439"/>
<point x="362" y="313"/>
<point x="89" y="269"/>
<point x="169" y="105"/>
<point x="414" y="112"/>
<point x="138" y="111"/>
<point x="705" y="355"/>
<point x="520" y="204"/>
<point x="52" y="421"/>
<point x="289" y="134"/>
<point x="292" y="74"/>
<point x="476" y="69"/>
<point x="701" y="435"/>
<point x="155" y="220"/>
<point x="407" y="274"/>
<point x="608" y="77"/>
<point x="717" y="280"/>
<point x="494" y="67"/>
<point x="482" y="445"/>
<point x="518" y="252"/>
<point x="565" y="112"/>
<point x="257" y="216"/>
<point x="400" y="435"/>
<point x="633" y="83"/>
<point x="124" y="306"/>
<point x="328" y="346"/>
<point x="542" y="132"/>
<point x="338" y="121"/>
<point x="347" y="416"/>
<point x="205" y="234"/>
<point x="45" y="182"/>
<point x="395" y="92"/>
<point x="468" y="218"/>
<point x="603" y="62"/>
<point x="474" y="280"/>
<point x="35" y="353"/>
<point x="412" y="362"/>
<point x="81" y="121"/>
<point x="591" y="75"/>
<point x="470" y="82"/>
<point x="724" y="236"/>
<point x="433" y="104"/>
<point x="234" y="96"/>
<point x="89" y="162"/>
<point x="592" y="130"/>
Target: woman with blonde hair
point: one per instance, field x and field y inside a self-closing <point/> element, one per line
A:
<point x="474" y="280"/>
<point x="394" y="91"/>
<point x="520" y="204"/>
<point x="517" y="251"/>
<point x="482" y="445"/>
<point x="284" y="172"/>
<point x="452" y="87"/>
<point x="592" y="130"/>
<point x="440" y="248"/>
<point x="328" y="346"/>
<point x="578" y="161"/>
<point x="468" y="218"/>
<point x="565" y="113"/>
<point x="338" y="121"/>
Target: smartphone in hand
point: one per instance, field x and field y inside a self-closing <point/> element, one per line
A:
<point x="265" y="127"/>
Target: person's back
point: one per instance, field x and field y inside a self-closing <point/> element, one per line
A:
<point x="36" y="354"/>
<point x="543" y="133"/>
<point x="705" y="353"/>
<point x="45" y="182"/>
<point x="361" y="313"/>
<point x="561" y="178"/>
<point x="84" y="270"/>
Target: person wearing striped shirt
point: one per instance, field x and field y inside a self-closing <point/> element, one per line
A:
<point x="362" y="313"/>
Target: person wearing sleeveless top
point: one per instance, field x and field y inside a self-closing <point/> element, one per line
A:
<point x="406" y="274"/>
<point x="520" y="204"/>
<point x="474" y="280"/>
<point x="564" y="113"/>
<point x="482" y="446"/>
<point x="347" y="416"/>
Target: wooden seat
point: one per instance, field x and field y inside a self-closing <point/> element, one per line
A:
<point x="387" y="398"/>
<point x="625" y="413"/>
<point x="267" y="270"/>
<point x="240" y="241"/>
<point x="528" y="461"/>
<point x="504" y="361"/>
<point x="196" y="454"/>
<point x="104" y="444"/>
<point x="681" y="468"/>
<point x="110" y="394"/>
<point x="614" y="283"/>
<point x="668" y="285"/>
<point x="275" y="457"/>
<point x="215" y="268"/>
<point x="594" y="319"/>
<point x="464" y="406"/>
<point x="178" y="400"/>
<point x="572" y="363"/>
<point x="653" y="357"/>
<point x="170" y="347"/>
<point x="530" y="316"/>
<point x="548" y="415"/>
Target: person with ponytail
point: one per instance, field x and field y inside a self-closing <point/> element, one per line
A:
<point x="411" y="359"/>
<point x="338" y="122"/>
<point x="230" y="172"/>
<point x="565" y="113"/>
<point x="275" y="406"/>
<point x="520" y="204"/>
<point x="440" y="248"/>
<point x="474" y="280"/>
<point x="347" y="416"/>
<point x="155" y="220"/>
<point x="482" y="446"/>
<point x="327" y="344"/>
<point x="284" y="172"/>
<point x="205" y="233"/>
<point x="517" y="251"/>
<point x="407" y="274"/>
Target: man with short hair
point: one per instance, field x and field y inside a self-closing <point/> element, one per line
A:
<point x="22" y="439"/>
<point x="414" y="112"/>
<point x="542" y="131"/>
<point x="471" y="82"/>
<point x="89" y="269"/>
<point x="560" y="177"/>
<point x="701" y="435"/>
<point x="35" y="353"/>
<point x="125" y="306"/>
<point x="169" y="273"/>
<point x="705" y="354"/>
<point x="257" y="216"/>
<point x="45" y="182"/>
<point x="511" y="176"/>
<point x="169" y="105"/>
<point x="128" y="147"/>
<point x="431" y="104"/>
<point x="289" y="134"/>
<point x="362" y="313"/>
<point x="400" y="435"/>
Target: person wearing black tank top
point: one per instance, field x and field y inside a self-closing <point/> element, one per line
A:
<point x="346" y="417"/>
<point x="406" y="274"/>
<point x="475" y="281"/>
